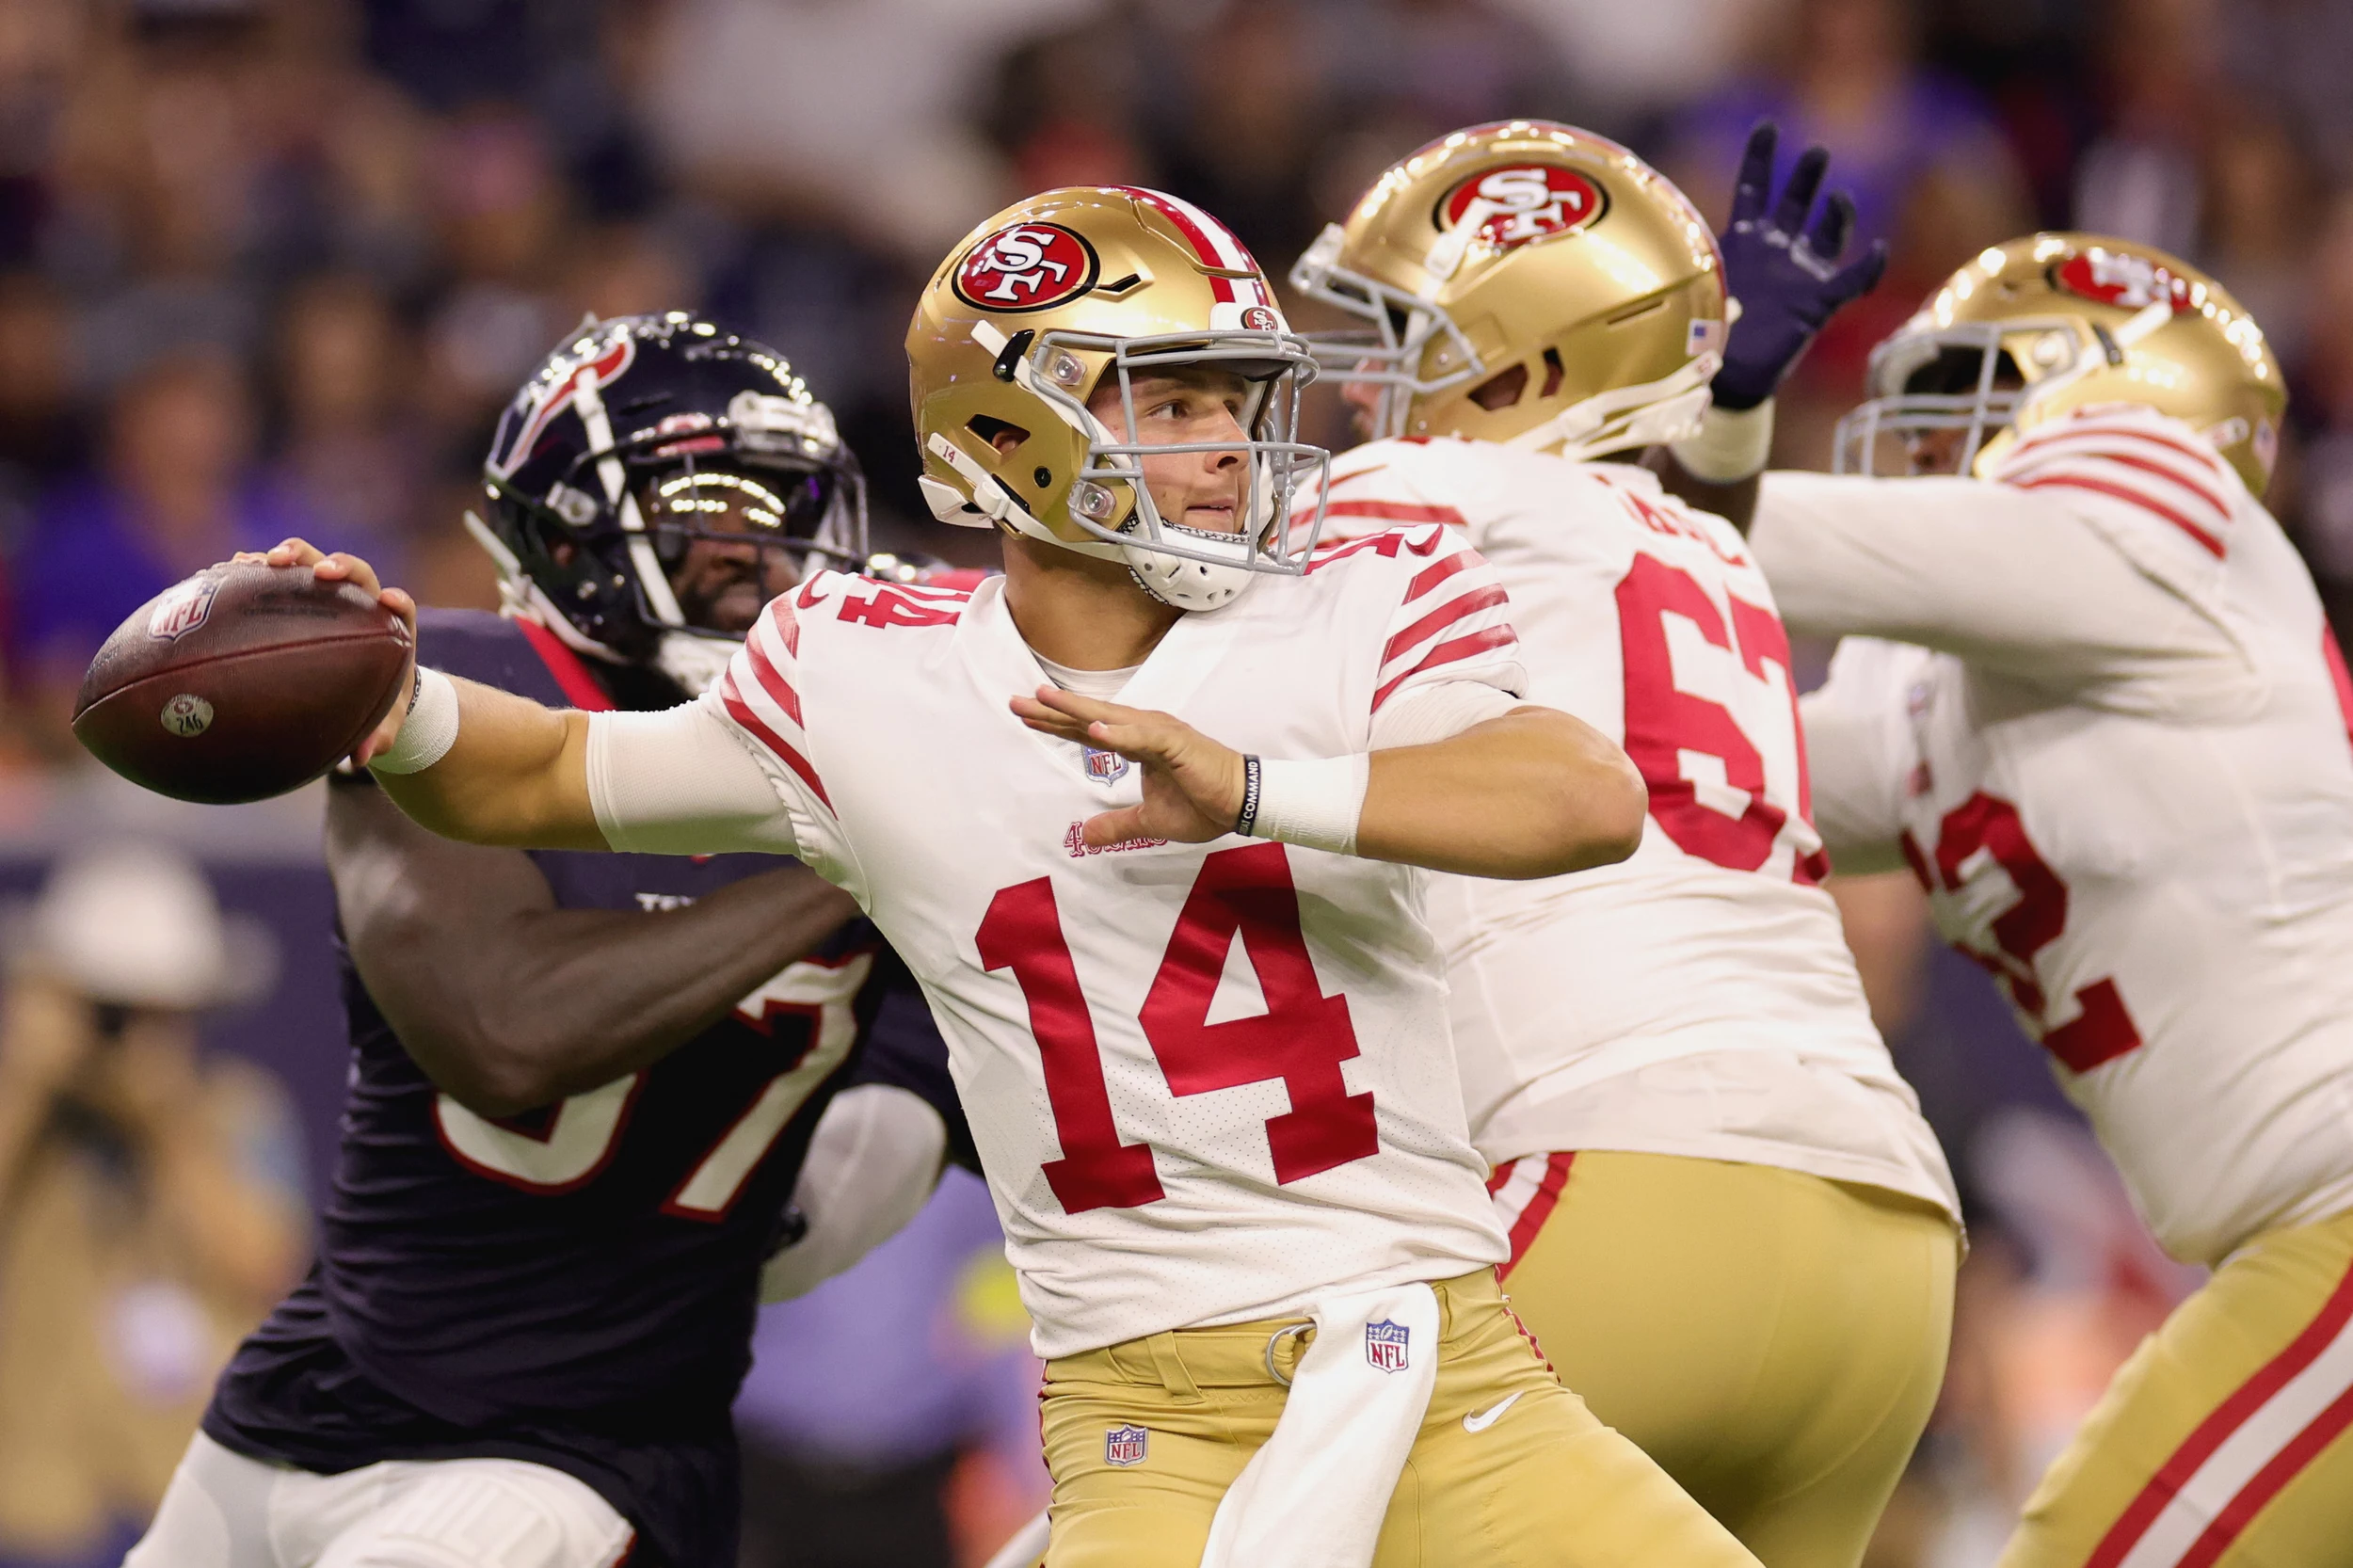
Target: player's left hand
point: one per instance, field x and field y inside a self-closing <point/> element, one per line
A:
<point x="1784" y="273"/>
<point x="1192" y="785"/>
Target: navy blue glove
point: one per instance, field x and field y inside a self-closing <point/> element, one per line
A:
<point x="1786" y="274"/>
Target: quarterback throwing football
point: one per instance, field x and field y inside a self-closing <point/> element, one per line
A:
<point x="1174" y="940"/>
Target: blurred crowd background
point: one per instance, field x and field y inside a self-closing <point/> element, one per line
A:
<point x="270" y="266"/>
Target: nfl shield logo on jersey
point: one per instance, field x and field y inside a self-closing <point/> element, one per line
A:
<point x="1105" y="767"/>
<point x="1123" y="1446"/>
<point x="1384" y="1345"/>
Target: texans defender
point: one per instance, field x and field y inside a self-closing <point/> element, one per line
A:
<point x="1190" y="999"/>
<point x="1731" y="1229"/>
<point x="584" y="1086"/>
<point x="2107" y="734"/>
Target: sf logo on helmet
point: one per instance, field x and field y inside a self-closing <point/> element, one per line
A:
<point x="1026" y="266"/>
<point x="1519" y="202"/>
<point x="2115" y="278"/>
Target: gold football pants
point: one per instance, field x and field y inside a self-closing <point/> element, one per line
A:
<point x="2223" y="1442"/>
<point x="1143" y="1439"/>
<point x="1775" y="1341"/>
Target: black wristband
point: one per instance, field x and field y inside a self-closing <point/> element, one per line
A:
<point x="1250" y="784"/>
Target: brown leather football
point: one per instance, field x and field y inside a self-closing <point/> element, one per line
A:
<point x="241" y="682"/>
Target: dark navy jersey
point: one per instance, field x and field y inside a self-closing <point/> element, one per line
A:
<point x="575" y="1285"/>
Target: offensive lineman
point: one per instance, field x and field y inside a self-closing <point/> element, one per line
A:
<point x="1731" y="1230"/>
<point x="583" y="1087"/>
<point x="2109" y="737"/>
<point x="1190" y="1000"/>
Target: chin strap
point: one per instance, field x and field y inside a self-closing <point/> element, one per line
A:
<point x="1649" y="415"/>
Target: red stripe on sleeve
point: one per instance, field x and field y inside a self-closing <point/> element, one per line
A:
<point x="1430" y="577"/>
<point x="742" y="713"/>
<point x="1392" y="511"/>
<point x="2204" y="457"/>
<point x="1448" y="653"/>
<point x="1442" y="616"/>
<point x="2228" y="1417"/>
<point x="773" y="682"/>
<point x="2105" y="453"/>
<point x="2146" y="504"/>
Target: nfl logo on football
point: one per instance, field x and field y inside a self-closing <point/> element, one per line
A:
<point x="183" y="610"/>
<point x="1384" y="1345"/>
<point x="1106" y="767"/>
<point x="1123" y="1446"/>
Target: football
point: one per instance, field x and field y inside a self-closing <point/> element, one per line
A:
<point x="241" y="682"/>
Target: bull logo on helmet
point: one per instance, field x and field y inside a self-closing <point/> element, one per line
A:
<point x="1026" y="266"/>
<point x="2118" y="278"/>
<point x="1510" y="207"/>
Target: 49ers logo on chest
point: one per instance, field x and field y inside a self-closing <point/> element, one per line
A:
<point x="1026" y="266"/>
<point x="1510" y="207"/>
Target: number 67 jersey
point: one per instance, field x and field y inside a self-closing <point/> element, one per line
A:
<point x="1697" y="998"/>
<point x="1209" y="1082"/>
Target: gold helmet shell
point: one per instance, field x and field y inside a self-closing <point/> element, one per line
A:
<point x="1526" y="282"/>
<point x="2030" y="331"/>
<point x="1018" y="330"/>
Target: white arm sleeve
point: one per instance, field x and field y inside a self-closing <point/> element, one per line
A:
<point x="1422" y="715"/>
<point x="871" y="1165"/>
<point x="1860" y="751"/>
<point x="2012" y="581"/>
<point x="682" y="782"/>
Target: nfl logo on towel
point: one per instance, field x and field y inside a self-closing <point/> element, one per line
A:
<point x="1105" y="767"/>
<point x="1123" y="1446"/>
<point x="1384" y="1345"/>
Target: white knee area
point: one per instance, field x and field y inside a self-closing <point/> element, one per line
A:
<point x="871" y="1165"/>
<point x="225" y="1511"/>
<point x="481" y="1513"/>
<point x="215" y="1514"/>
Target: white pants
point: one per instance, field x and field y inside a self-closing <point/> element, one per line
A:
<point x="225" y="1511"/>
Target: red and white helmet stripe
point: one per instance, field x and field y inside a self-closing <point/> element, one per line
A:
<point x="1212" y="243"/>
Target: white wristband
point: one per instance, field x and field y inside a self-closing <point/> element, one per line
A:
<point x="1315" y="805"/>
<point x="1729" y="446"/>
<point x="428" y="732"/>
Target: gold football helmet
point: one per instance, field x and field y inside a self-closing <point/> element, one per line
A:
<point x="2053" y="322"/>
<point x="1016" y="333"/>
<point x="1526" y="282"/>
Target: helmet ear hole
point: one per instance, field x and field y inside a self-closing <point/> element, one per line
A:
<point x="1002" y="434"/>
<point x="1503" y="391"/>
<point x="1553" y="373"/>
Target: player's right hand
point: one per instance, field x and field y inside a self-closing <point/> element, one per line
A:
<point x="343" y="568"/>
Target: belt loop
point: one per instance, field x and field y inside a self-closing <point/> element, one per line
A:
<point x="1171" y="1367"/>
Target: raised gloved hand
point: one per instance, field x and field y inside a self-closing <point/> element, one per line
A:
<point x="1784" y="273"/>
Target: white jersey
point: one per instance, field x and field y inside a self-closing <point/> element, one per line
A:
<point x="1698" y="999"/>
<point x="1209" y="1082"/>
<point x="2123" y="776"/>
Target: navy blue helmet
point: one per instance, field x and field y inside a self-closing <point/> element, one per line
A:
<point x="641" y="436"/>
